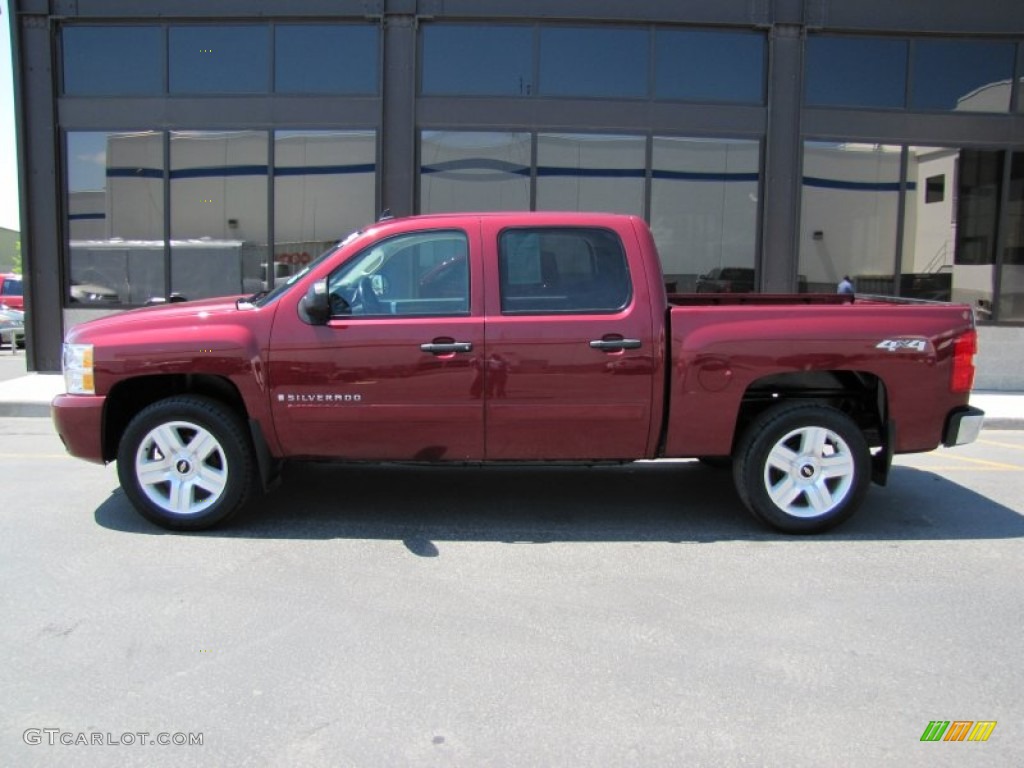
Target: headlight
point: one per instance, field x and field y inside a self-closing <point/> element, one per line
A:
<point x="78" y="369"/>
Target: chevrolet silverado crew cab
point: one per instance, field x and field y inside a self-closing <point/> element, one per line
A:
<point x="514" y="337"/>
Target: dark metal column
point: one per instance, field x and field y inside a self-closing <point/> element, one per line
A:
<point x="38" y="144"/>
<point x="782" y="160"/>
<point x="398" y="129"/>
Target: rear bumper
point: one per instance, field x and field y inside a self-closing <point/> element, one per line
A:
<point x="79" y="423"/>
<point x="962" y="426"/>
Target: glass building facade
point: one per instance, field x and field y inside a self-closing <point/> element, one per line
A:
<point x="213" y="150"/>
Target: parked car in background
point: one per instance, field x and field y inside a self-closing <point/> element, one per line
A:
<point x="12" y="291"/>
<point x="12" y="327"/>
<point x="91" y="293"/>
<point x="727" y="280"/>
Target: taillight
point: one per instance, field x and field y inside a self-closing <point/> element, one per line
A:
<point x="964" y="349"/>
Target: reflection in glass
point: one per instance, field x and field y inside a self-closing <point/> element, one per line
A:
<point x="584" y="172"/>
<point x="105" y="61"/>
<point x="115" y="218"/>
<point x="929" y="229"/>
<point x="704" y="204"/>
<point x="306" y="58"/>
<point x="979" y="180"/>
<point x="466" y="171"/>
<point x="474" y="60"/>
<point x="324" y="188"/>
<point x="218" y="212"/>
<point x="222" y="59"/>
<point x="704" y="65"/>
<point x="855" y="72"/>
<point x="594" y="61"/>
<point x="962" y="75"/>
<point x="848" y="216"/>
<point x="1011" y="289"/>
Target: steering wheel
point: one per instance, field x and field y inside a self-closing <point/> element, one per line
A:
<point x="366" y="298"/>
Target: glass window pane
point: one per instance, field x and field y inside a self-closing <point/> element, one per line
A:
<point x="855" y="72"/>
<point x="594" y="62"/>
<point x="848" y="215"/>
<point x="1011" y="293"/>
<point x="465" y="171"/>
<point x="222" y="59"/>
<point x="965" y="76"/>
<point x="704" y="204"/>
<point x="559" y="270"/>
<point x="425" y="273"/>
<point x="584" y="172"/>
<point x="1020" y="86"/>
<point x="929" y="231"/>
<point x="115" y="220"/>
<point x="104" y="61"/>
<point x="700" y="65"/>
<point x="949" y="242"/>
<point x="218" y="212"/>
<point x="477" y="60"/>
<point x="306" y="58"/>
<point x="324" y="188"/>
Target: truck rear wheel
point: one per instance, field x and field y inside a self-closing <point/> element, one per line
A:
<point x="186" y="462"/>
<point x="802" y="468"/>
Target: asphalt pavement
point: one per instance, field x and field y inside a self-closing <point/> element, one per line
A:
<point x="511" y="617"/>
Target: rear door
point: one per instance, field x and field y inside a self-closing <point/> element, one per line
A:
<point x="570" y="361"/>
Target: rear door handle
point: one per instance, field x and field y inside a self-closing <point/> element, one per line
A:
<point x="615" y="345"/>
<point x="447" y="348"/>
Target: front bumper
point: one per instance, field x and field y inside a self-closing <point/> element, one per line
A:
<point x="963" y="426"/>
<point x="79" y="423"/>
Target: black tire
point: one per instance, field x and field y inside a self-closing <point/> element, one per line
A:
<point x="186" y="463"/>
<point x="802" y="468"/>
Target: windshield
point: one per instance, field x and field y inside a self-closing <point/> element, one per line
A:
<point x="262" y="299"/>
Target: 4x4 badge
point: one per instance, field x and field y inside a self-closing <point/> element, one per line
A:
<point x="896" y="345"/>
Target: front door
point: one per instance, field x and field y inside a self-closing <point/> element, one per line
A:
<point x="395" y="373"/>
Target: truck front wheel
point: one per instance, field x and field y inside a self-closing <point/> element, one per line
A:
<point x="802" y="468"/>
<point x="186" y="462"/>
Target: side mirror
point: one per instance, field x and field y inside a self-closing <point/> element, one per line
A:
<point x="315" y="306"/>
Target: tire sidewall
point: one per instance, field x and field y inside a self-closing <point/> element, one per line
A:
<point x="230" y="434"/>
<point x="765" y="433"/>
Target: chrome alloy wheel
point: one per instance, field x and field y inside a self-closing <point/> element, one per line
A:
<point x="809" y="472"/>
<point x="181" y="467"/>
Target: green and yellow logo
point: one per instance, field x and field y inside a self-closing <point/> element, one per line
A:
<point x="958" y="730"/>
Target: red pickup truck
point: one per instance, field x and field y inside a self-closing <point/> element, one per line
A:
<point x="514" y="337"/>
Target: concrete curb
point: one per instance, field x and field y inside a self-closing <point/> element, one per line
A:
<point x="27" y="410"/>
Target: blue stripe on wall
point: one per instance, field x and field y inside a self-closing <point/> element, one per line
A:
<point x="856" y="186"/>
<point x="86" y="216"/>
<point x="477" y="164"/>
<point x="239" y="170"/>
<point x="325" y="170"/>
<point x="502" y="166"/>
<point x="702" y="176"/>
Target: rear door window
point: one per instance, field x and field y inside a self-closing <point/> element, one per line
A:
<point x="545" y="270"/>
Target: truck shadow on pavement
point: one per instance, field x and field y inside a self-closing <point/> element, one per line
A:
<point x="646" y="502"/>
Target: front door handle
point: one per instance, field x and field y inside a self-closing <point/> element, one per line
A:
<point x="447" y="347"/>
<point x="615" y="345"/>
